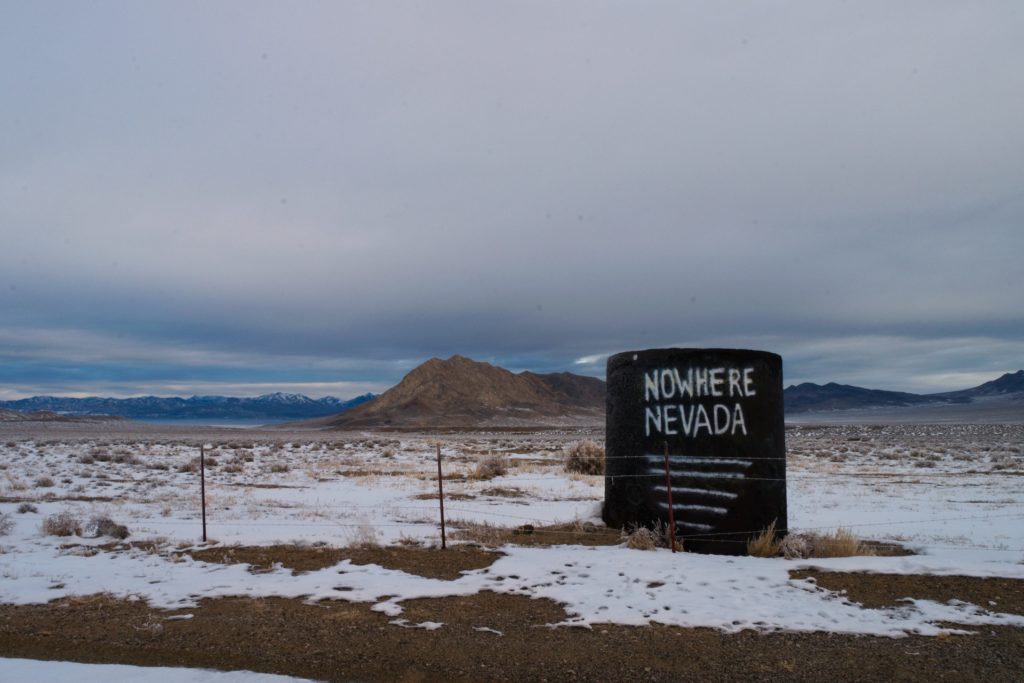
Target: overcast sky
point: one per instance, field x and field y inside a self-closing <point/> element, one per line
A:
<point x="244" y="197"/>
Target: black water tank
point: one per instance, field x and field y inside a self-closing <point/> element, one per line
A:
<point x="719" y="415"/>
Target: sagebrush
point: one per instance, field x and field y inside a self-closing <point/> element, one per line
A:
<point x="584" y="457"/>
<point x="62" y="524"/>
<point x="490" y="466"/>
<point x="104" y="526"/>
<point x="648" y="538"/>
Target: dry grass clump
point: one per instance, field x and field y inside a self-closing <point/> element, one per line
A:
<point x="98" y="454"/>
<point x="1004" y="462"/>
<point x="6" y="524"/>
<point x="44" y="482"/>
<point x="190" y="466"/>
<point x="482" y="533"/>
<point x="124" y="456"/>
<point x="363" y="537"/>
<point x="279" y="467"/>
<point x="62" y="524"/>
<point x="14" y="483"/>
<point x="489" y="467"/>
<point x="584" y="457"/>
<point x="838" y="543"/>
<point x="648" y="538"/>
<point x="764" y="544"/>
<point x="27" y="507"/>
<point x="641" y="538"/>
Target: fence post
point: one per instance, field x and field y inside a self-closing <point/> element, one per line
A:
<point x="440" y="495"/>
<point x="202" y="484"/>
<point x="671" y="509"/>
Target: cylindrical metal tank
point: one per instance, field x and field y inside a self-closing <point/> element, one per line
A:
<point x="718" y="413"/>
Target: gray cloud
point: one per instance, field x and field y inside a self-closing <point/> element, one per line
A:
<point x="244" y="185"/>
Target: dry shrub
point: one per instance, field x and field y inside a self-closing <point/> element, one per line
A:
<point x="482" y="533"/>
<point x="764" y="544"/>
<point x="44" y="482"/>
<point x="409" y="541"/>
<point x="584" y="457"/>
<point x="6" y="524"/>
<point x="363" y="537"/>
<point x="839" y="543"/>
<point x="641" y="538"/>
<point x="648" y="538"/>
<point x="190" y="466"/>
<point x="490" y="467"/>
<point x="279" y="467"/>
<point x="86" y="459"/>
<point x="14" y="483"/>
<point x="62" y="524"/>
<point x="1003" y="462"/>
<point x="795" y="547"/>
<point x="27" y="507"/>
<point x="104" y="526"/>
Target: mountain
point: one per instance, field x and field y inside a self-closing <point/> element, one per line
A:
<point x="460" y="392"/>
<point x="276" y="406"/>
<point x="810" y="397"/>
<point x="1010" y="383"/>
<point x="47" y="416"/>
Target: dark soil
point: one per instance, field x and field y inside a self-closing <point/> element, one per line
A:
<point x="448" y="564"/>
<point x="889" y="590"/>
<point x="341" y="641"/>
<point x="447" y="496"/>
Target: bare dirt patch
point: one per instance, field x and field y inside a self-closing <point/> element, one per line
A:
<point x="56" y="499"/>
<point x="340" y="641"/>
<point x="447" y="496"/>
<point x="429" y="562"/>
<point x="503" y="492"/>
<point x="528" y="534"/>
<point x="889" y="590"/>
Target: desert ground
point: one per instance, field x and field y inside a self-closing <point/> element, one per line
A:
<point x="323" y="560"/>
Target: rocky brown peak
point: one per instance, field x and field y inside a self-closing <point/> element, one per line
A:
<point x="461" y="392"/>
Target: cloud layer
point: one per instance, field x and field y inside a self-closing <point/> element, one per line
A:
<point x="248" y="193"/>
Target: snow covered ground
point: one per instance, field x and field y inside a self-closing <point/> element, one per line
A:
<point x="61" y="672"/>
<point x="952" y="493"/>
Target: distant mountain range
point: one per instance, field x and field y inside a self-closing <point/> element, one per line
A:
<point x="810" y="397"/>
<point x="460" y="392"/>
<point x="46" y="416"/>
<point x="276" y="406"/>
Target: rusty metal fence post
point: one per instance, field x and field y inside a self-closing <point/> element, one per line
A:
<point x="440" y="495"/>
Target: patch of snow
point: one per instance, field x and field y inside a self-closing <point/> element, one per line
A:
<point x="60" y="672"/>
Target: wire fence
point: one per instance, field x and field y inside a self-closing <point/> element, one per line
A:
<point x="431" y="516"/>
